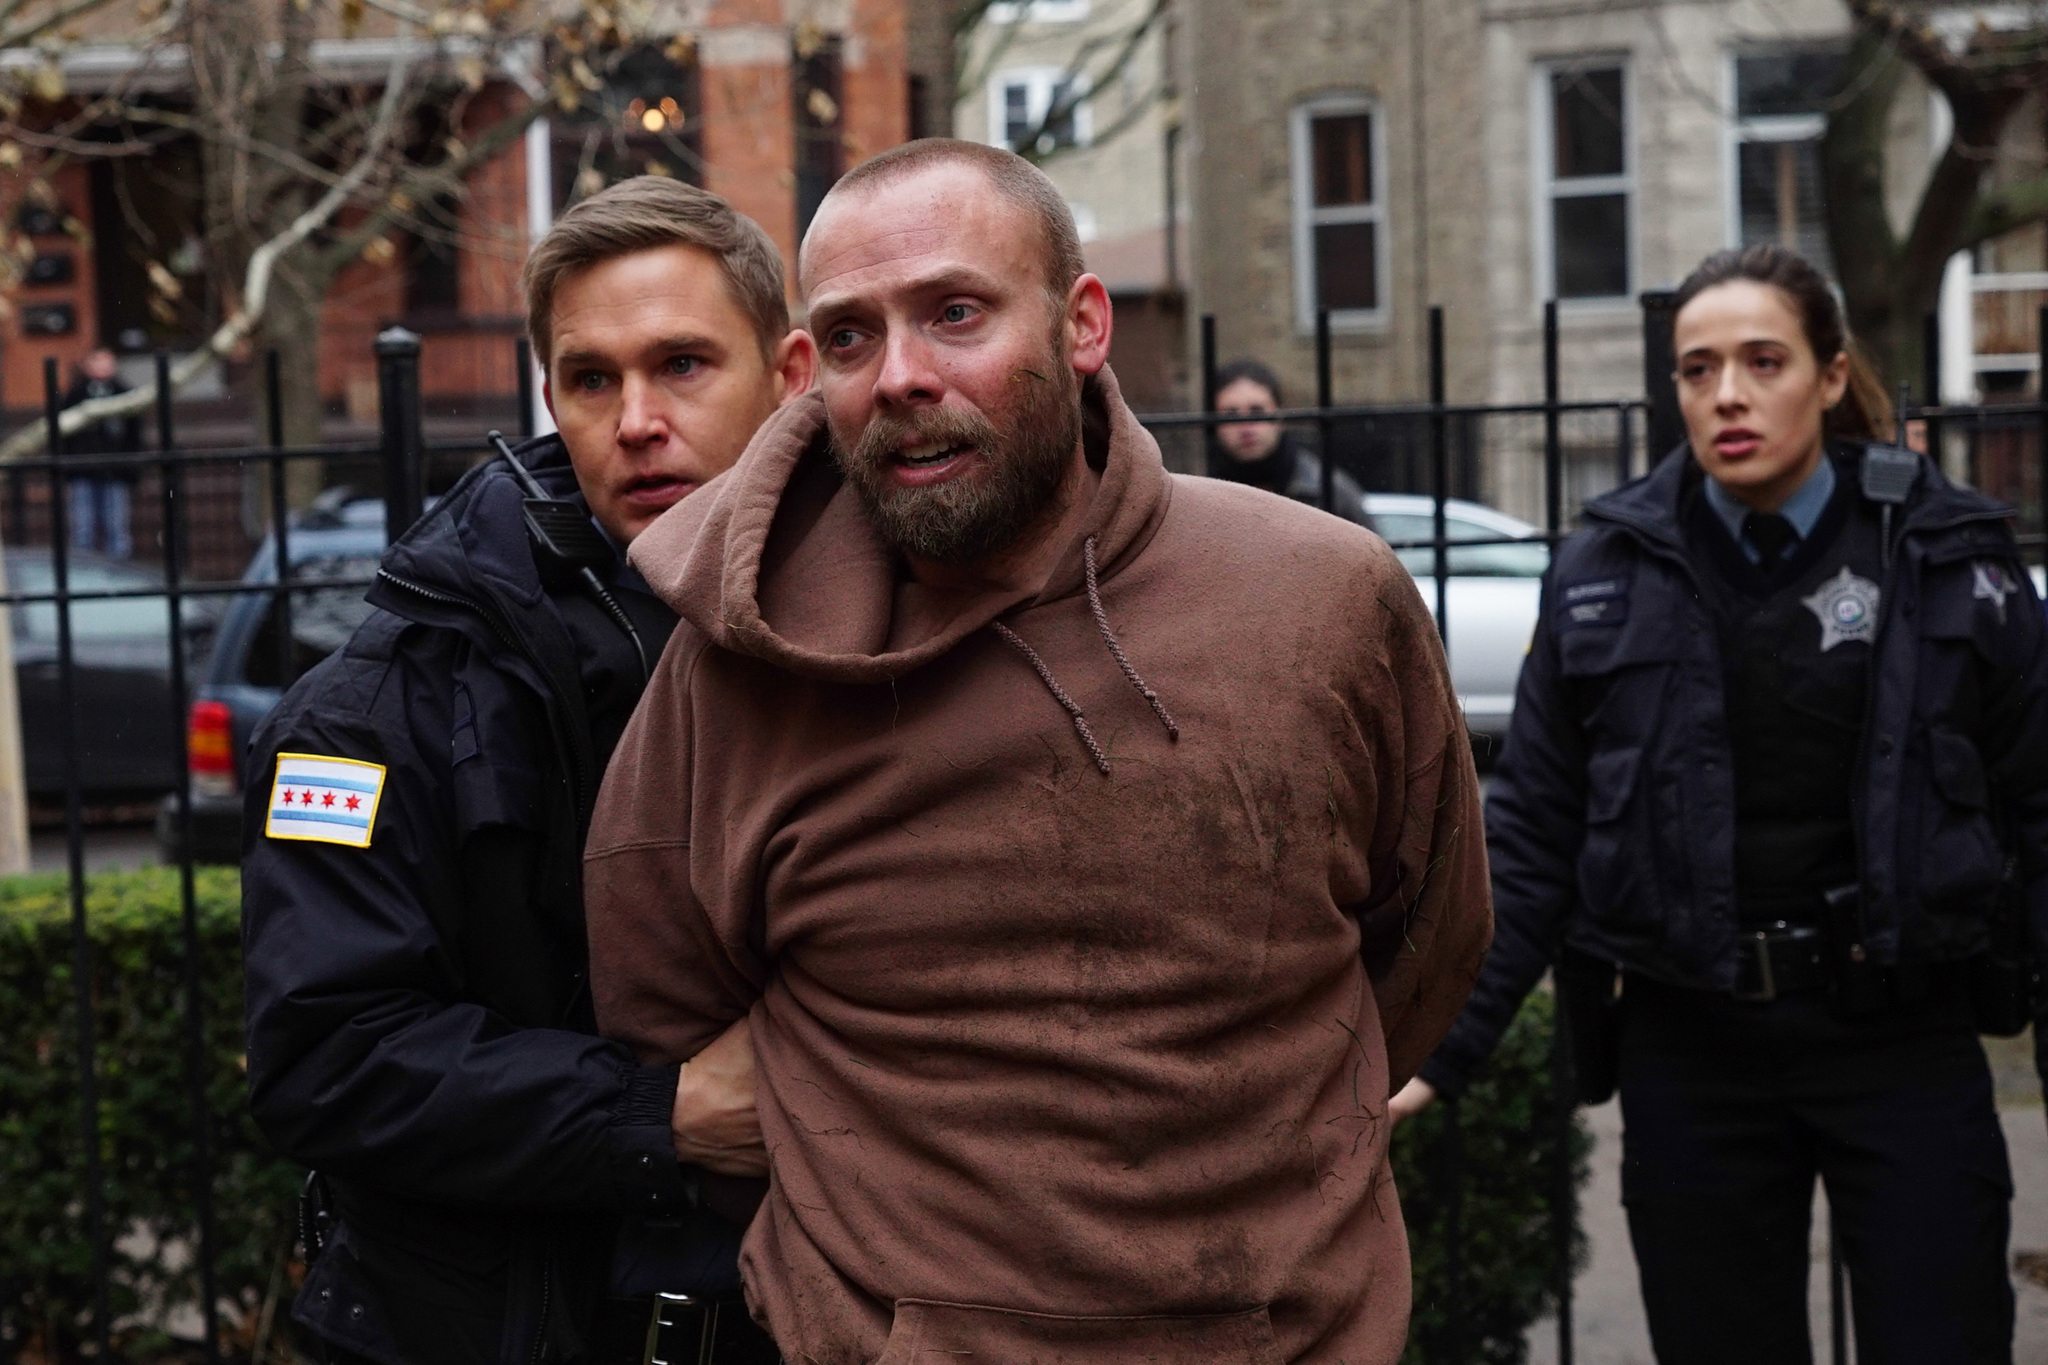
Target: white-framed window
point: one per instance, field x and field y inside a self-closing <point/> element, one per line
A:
<point x="1585" y="181"/>
<point x="1338" y="147"/>
<point x="1780" y="104"/>
<point x="1038" y="11"/>
<point x="1017" y="103"/>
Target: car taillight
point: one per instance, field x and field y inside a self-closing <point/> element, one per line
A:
<point x="210" y="749"/>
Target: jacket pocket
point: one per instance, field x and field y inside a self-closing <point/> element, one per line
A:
<point x="927" y="1330"/>
<point x="1961" y="864"/>
<point x="1615" y="860"/>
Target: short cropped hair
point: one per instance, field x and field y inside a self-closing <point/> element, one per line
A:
<point x="1012" y="176"/>
<point x="645" y="213"/>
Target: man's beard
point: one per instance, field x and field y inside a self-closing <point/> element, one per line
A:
<point x="982" y="510"/>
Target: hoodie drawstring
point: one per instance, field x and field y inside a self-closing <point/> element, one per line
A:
<point x="1116" y="651"/>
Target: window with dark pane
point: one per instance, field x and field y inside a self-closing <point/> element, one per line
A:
<point x="1061" y="108"/>
<point x="1340" y="235"/>
<point x="1347" y="266"/>
<point x="643" y="121"/>
<point x="1781" y="102"/>
<point x="1342" y="150"/>
<point x="1589" y="124"/>
<point x="1780" y="197"/>
<point x="1016" y="113"/>
<point x="817" y="88"/>
<point x="1776" y="84"/>
<point x="1591" y="236"/>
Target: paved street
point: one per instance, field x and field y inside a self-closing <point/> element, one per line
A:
<point x="107" y="847"/>
<point x="1609" y="1318"/>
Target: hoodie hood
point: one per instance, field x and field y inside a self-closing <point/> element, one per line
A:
<point x="776" y="558"/>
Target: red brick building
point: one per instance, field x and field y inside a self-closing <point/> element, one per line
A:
<point x="764" y="101"/>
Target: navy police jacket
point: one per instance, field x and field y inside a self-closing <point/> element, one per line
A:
<point x="419" y="1023"/>
<point x="1611" y="820"/>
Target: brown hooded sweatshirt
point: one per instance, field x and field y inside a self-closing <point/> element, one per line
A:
<point x="1074" y="1037"/>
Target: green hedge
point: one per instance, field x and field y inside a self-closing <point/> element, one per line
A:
<point x="1508" y="1124"/>
<point x="1508" y="1131"/>
<point x="145" y="1134"/>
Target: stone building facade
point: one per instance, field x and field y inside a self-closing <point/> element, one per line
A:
<point x="1382" y="157"/>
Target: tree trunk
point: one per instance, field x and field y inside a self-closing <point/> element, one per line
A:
<point x="291" y="327"/>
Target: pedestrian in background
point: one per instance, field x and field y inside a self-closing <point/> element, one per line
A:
<point x="1780" y="753"/>
<point x="99" y="498"/>
<point x="1267" y="454"/>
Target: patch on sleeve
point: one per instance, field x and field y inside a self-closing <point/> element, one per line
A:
<point x="1602" y="603"/>
<point x="1991" y="583"/>
<point x="328" y="800"/>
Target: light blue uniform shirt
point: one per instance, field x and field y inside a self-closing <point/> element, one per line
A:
<point x="1802" y="509"/>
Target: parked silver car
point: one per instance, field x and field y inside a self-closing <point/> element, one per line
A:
<point x="1492" y="597"/>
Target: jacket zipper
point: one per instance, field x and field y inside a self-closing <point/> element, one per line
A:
<point x="540" y="1331"/>
<point x="578" y="762"/>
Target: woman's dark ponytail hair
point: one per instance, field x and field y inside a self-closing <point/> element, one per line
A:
<point x="1865" y="412"/>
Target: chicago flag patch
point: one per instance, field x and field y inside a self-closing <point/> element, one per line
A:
<point x="328" y="800"/>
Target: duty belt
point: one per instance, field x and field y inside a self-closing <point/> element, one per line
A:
<point x="685" y="1330"/>
<point x="1779" y="959"/>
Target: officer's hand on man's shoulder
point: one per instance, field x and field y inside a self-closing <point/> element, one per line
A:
<point x="714" y="1121"/>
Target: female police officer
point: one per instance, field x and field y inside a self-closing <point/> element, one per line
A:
<point x="1780" y="751"/>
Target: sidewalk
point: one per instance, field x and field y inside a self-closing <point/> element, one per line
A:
<point x="1608" y="1314"/>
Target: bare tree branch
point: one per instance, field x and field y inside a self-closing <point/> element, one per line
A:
<point x="255" y="291"/>
<point x="422" y="183"/>
<point x="1077" y="84"/>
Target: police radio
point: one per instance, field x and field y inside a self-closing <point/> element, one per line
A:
<point x="566" y="540"/>
<point x="1888" y="476"/>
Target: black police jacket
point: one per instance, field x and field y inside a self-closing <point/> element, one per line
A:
<point x="419" y="1022"/>
<point x="1611" y="819"/>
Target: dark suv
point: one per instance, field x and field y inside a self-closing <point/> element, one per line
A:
<point x="248" y="668"/>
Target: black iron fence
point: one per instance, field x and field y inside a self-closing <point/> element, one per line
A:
<point x="201" y="513"/>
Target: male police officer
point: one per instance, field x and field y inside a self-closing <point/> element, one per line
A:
<point x="420" y="1030"/>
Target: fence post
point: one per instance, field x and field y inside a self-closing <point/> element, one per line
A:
<point x="1553" y="430"/>
<point x="1930" y="390"/>
<point x="1453" y="1168"/>
<point x="172" y="480"/>
<point x="1439" y="473"/>
<point x="398" y="395"/>
<point x="522" y="359"/>
<point x="1564" y="1201"/>
<point x="1666" y="426"/>
<point x="280" y="518"/>
<point x="2041" y="435"/>
<point x="74" y="849"/>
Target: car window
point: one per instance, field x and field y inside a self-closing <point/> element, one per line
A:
<point x="1516" y="559"/>
<point x="121" y="618"/>
<point x="322" y="619"/>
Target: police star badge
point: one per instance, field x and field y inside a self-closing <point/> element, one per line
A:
<point x="1992" y="584"/>
<point x="1847" y="608"/>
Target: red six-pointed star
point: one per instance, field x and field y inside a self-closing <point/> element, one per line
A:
<point x="287" y="796"/>
<point x="354" y="801"/>
<point x="327" y="798"/>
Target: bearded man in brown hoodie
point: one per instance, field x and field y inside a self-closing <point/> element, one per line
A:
<point x="1093" y="850"/>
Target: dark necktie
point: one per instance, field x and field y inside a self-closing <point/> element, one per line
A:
<point x="1771" y="536"/>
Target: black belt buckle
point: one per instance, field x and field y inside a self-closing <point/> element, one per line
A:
<point x="1757" y="977"/>
<point x="1754" y="960"/>
<point x="681" y="1330"/>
